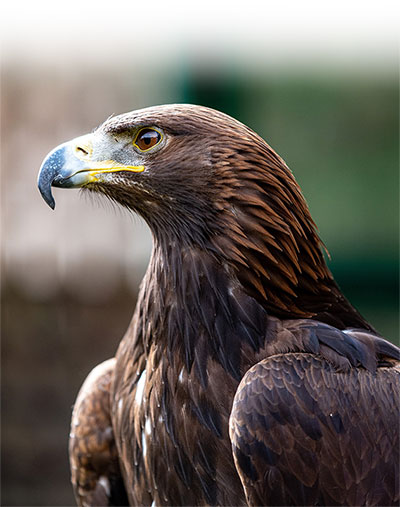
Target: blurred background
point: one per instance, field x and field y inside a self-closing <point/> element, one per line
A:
<point x="318" y="80"/>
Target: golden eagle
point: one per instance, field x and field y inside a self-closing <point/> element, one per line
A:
<point x="245" y="376"/>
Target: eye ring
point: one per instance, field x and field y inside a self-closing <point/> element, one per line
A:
<point x="147" y="138"/>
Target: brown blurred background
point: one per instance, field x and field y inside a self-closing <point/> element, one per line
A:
<point x="320" y="87"/>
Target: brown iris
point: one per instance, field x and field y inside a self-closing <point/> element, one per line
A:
<point x="147" y="138"/>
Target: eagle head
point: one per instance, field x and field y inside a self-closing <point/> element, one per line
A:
<point x="161" y="162"/>
<point x="185" y="168"/>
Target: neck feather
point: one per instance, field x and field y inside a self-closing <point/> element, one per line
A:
<point x="194" y="308"/>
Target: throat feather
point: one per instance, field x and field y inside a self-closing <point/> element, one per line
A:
<point x="199" y="312"/>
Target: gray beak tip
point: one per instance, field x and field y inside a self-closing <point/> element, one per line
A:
<point x="50" y="171"/>
<point x="45" y="192"/>
<point x="61" y="168"/>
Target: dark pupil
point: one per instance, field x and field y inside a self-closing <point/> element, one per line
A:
<point x="149" y="138"/>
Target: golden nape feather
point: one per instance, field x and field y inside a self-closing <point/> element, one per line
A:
<point x="245" y="376"/>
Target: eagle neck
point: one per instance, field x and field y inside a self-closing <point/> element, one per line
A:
<point x="193" y="307"/>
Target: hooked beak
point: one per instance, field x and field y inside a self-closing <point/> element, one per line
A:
<point x="70" y="165"/>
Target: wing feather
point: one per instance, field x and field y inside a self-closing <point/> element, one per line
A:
<point x="304" y="433"/>
<point x="95" y="471"/>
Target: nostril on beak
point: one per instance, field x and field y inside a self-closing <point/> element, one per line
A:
<point x="82" y="147"/>
<point x="81" y="151"/>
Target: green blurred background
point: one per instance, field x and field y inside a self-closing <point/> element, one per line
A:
<point x="70" y="278"/>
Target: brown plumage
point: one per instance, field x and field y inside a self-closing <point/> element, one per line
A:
<point x="95" y="470"/>
<point x="245" y="376"/>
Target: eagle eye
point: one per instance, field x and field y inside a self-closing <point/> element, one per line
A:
<point x="147" y="138"/>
